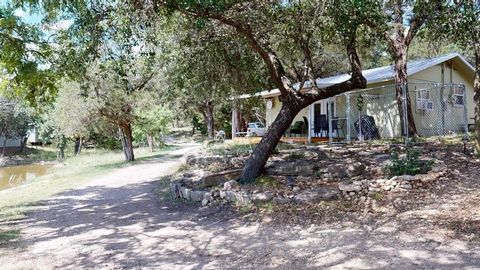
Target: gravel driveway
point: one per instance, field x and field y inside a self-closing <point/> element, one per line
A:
<point x="118" y="222"/>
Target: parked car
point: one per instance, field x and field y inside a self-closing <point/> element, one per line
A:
<point x="255" y="129"/>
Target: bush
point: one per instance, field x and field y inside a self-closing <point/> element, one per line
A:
<point x="410" y="164"/>
<point x="235" y="150"/>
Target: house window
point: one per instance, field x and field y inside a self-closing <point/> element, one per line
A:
<point x="423" y="101"/>
<point x="458" y="95"/>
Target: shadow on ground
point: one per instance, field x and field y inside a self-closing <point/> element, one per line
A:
<point x="128" y="227"/>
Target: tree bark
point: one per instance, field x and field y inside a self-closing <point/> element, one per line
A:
<point x="4" y="145"/>
<point x="209" y="120"/>
<point x="78" y="146"/>
<point x="23" y="143"/>
<point x="151" y="142"/>
<point x="261" y="153"/>
<point x="127" y="141"/>
<point x="61" y="147"/>
<point x="400" y="82"/>
<point x="476" y="87"/>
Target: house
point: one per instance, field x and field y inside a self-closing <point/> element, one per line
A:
<point x="440" y="89"/>
<point x="11" y="145"/>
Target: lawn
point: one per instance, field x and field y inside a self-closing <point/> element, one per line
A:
<point x="74" y="171"/>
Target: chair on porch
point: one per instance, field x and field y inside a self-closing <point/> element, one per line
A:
<point x="338" y="125"/>
<point x="297" y="128"/>
<point x="320" y="127"/>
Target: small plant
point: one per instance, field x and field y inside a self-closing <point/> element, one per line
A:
<point x="295" y="156"/>
<point x="378" y="196"/>
<point x="410" y="164"/>
<point x="266" y="181"/>
<point x="266" y="207"/>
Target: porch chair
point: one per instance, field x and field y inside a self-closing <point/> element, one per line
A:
<point x="297" y="128"/>
<point x="337" y="125"/>
<point x="321" y="126"/>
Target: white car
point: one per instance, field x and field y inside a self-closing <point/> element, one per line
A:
<point x="255" y="129"/>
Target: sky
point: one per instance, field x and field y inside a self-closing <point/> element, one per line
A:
<point x="28" y="17"/>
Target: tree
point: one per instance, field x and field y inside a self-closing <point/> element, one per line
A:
<point x="207" y="67"/>
<point x="25" y="60"/>
<point x="296" y="23"/>
<point x="461" y="19"/>
<point x="114" y="89"/>
<point x="72" y="114"/>
<point x="152" y="122"/>
<point x="15" y="120"/>
<point x="398" y="22"/>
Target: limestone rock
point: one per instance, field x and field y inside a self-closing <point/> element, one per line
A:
<point x="355" y="169"/>
<point x="196" y="196"/>
<point x="281" y="200"/>
<point x="297" y="168"/>
<point x="216" y="179"/>
<point x="242" y="198"/>
<point x="350" y="187"/>
<point x="208" y="196"/>
<point x="185" y="193"/>
<point x="232" y="184"/>
<point x="204" y="202"/>
<point x="262" y="197"/>
<point x="316" y="195"/>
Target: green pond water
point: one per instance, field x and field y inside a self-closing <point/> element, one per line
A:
<point x="17" y="175"/>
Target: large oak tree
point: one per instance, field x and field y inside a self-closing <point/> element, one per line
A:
<point x="265" y="25"/>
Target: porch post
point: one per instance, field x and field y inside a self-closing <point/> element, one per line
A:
<point x="234" y="122"/>
<point x="329" y="117"/>
<point x="309" y="129"/>
<point x="349" y="136"/>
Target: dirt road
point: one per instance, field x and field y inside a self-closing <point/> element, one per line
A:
<point x="118" y="222"/>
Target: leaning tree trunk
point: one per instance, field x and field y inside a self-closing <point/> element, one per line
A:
<point x="209" y="120"/>
<point x="265" y="148"/>
<point x="127" y="141"/>
<point x="400" y="83"/>
<point x="476" y="87"/>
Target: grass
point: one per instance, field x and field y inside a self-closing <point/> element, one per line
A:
<point x="75" y="171"/>
<point x="8" y="235"/>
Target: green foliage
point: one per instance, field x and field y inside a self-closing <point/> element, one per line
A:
<point x="295" y="156"/>
<point x="72" y="114"/>
<point x="199" y="125"/>
<point x="234" y="149"/>
<point x="15" y="119"/>
<point x="9" y="235"/>
<point x="410" y="164"/>
<point x="24" y="59"/>
<point x="152" y="122"/>
<point x="378" y="195"/>
<point x="266" y="181"/>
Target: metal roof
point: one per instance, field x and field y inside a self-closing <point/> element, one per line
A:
<point x="381" y="74"/>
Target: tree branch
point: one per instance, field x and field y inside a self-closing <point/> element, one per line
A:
<point x="260" y="45"/>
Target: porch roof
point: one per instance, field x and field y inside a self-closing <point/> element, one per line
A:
<point x="381" y="74"/>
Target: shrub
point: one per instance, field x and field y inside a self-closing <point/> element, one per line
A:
<point x="235" y="150"/>
<point x="410" y="164"/>
<point x="295" y="156"/>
